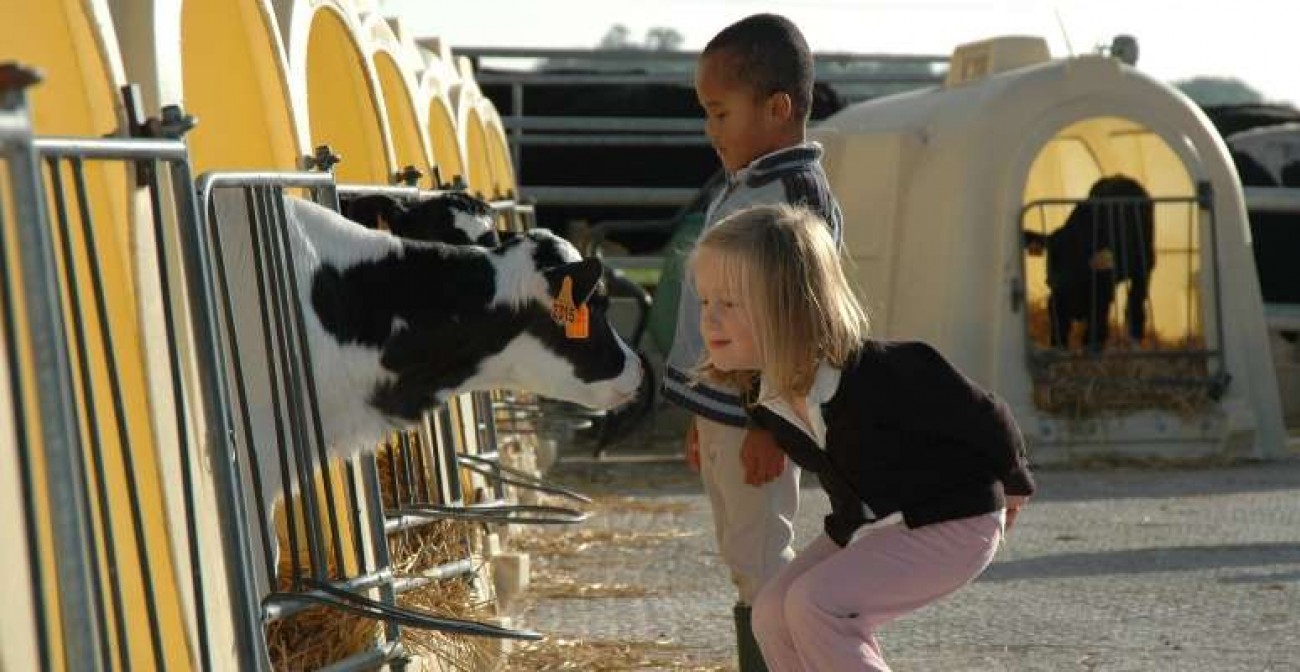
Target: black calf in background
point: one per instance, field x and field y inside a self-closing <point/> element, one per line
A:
<point x="1107" y="239"/>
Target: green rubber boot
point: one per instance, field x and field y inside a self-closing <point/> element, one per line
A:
<point x="751" y="658"/>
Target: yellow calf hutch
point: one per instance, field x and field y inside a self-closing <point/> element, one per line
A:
<point x="267" y="82"/>
<point x="128" y="603"/>
<point x="943" y="188"/>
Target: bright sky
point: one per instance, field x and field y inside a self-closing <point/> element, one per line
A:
<point x="1255" y="41"/>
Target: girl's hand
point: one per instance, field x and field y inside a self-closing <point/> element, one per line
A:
<point x="693" y="447"/>
<point x="1014" y="504"/>
<point x="762" y="458"/>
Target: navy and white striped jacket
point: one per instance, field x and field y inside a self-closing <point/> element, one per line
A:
<point x="792" y="175"/>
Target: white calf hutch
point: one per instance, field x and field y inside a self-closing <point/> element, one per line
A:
<point x="939" y="188"/>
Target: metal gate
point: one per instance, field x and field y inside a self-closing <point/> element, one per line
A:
<point x="99" y="557"/>
<point x="341" y="520"/>
<point x="1154" y="345"/>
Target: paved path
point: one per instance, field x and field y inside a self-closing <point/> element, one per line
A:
<point x="1108" y="570"/>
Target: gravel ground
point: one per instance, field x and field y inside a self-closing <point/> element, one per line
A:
<point x="1109" y="569"/>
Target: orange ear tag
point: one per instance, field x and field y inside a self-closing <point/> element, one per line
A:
<point x="579" y="328"/>
<point x="573" y="318"/>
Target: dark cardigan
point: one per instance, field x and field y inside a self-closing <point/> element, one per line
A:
<point x="906" y="432"/>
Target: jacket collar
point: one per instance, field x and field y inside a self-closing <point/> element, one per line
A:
<point x="763" y="168"/>
<point x="826" y="383"/>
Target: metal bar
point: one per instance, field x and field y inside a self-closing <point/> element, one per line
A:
<point x="217" y="421"/>
<point x="87" y="409"/>
<point x="82" y="620"/>
<point x="16" y="152"/>
<point x="397" y="191"/>
<point x="614" y="140"/>
<point x="274" y="365"/>
<point x="353" y="500"/>
<point x="309" y="374"/>
<point x="1205" y="195"/>
<point x="1282" y="316"/>
<point x="446" y="444"/>
<point x="370" y="659"/>
<point x="694" y="125"/>
<point x="107" y="344"/>
<point x="534" y="78"/>
<point x="378" y="535"/>
<point x="282" y="300"/>
<point x="179" y="401"/>
<point x="391" y="629"/>
<point x="667" y="55"/>
<point x="646" y="196"/>
<point x="516" y="112"/>
<point x="119" y="149"/>
<point x="241" y="394"/>
<point x="208" y="182"/>
<point x="408" y="470"/>
<point x="447" y="570"/>
<point x="275" y="610"/>
<point x="1272" y="199"/>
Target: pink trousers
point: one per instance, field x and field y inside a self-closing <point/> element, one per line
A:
<point x="822" y="611"/>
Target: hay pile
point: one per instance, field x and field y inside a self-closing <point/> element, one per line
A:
<point x="556" y="654"/>
<point x="318" y="636"/>
<point x="1074" y="385"/>
<point x="416" y="551"/>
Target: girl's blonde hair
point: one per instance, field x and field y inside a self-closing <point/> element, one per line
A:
<point x="782" y="264"/>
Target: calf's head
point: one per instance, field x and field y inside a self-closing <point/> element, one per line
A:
<point x="529" y="315"/>
<point x="455" y="218"/>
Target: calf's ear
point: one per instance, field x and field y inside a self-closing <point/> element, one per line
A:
<point x="583" y="274"/>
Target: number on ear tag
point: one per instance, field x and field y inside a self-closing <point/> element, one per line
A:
<point x="579" y="328"/>
<point x="574" y="318"/>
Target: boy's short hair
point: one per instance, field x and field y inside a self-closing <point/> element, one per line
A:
<point x="771" y="57"/>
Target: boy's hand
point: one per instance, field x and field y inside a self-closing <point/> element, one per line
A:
<point x="693" y="447"/>
<point x="761" y="457"/>
<point x="1014" y="504"/>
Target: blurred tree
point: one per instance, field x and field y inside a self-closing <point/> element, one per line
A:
<point x="659" y="38"/>
<point x="663" y="39"/>
<point x="617" y="37"/>
<point x="1207" y="91"/>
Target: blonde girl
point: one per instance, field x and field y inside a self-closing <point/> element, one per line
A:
<point x="923" y="468"/>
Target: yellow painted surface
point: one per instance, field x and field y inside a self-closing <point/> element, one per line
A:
<point x="480" y="168"/>
<point x="403" y="125"/>
<point x="78" y="97"/>
<point x="1102" y="146"/>
<point x="340" y="102"/>
<point x="503" y="174"/>
<point x="235" y="86"/>
<point x="442" y="133"/>
<point x="339" y="491"/>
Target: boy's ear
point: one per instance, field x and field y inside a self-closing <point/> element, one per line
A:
<point x="583" y="274"/>
<point x="781" y="105"/>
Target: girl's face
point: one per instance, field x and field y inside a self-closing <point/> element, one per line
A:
<point x="724" y="318"/>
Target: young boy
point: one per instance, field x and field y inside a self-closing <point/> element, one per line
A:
<point x="754" y="81"/>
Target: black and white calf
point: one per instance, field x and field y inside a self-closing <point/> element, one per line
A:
<point x="1108" y="239"/>
<point x="456" y="218"/>
<point x="396" y="326"/>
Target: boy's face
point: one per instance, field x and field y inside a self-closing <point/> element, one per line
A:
<point x="741" y="124"/>
<point x="724" y="319"/>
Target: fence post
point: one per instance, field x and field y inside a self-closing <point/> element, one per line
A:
<point x="82" y="629"/>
